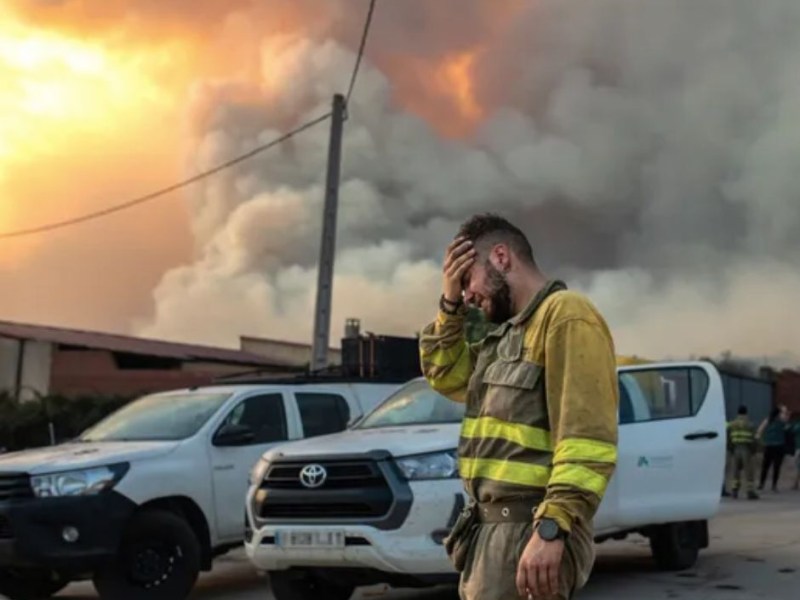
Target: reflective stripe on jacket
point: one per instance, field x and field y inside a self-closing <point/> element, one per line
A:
<point x="741" y="431"/>
<point x="541" y="395"/>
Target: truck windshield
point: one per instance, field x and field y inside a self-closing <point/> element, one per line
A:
<point x="157" y="417"/>
<point x="413" y="404"/>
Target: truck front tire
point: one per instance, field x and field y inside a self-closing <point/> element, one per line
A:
<point x="33" y="585"/>
<point x="158" y="559"/>
<point x="675" y="546"/>
<point x="301" y="585"/>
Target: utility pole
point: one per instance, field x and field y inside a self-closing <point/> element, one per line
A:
<point x="322" y="314"/>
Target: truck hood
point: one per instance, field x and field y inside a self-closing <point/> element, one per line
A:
<point x="398" y="441"/>
<point x="80" y="456"/>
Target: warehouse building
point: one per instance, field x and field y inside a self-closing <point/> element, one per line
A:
<point x="39" y="360"/>
<point x="787" y="389"/>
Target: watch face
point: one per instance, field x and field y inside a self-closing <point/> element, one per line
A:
<point x="548" y="530"/>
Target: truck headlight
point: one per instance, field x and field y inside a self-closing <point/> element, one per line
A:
<point x="437" y="465"/>
<point x="85" y="482"/>
<point x="258" y="471"/>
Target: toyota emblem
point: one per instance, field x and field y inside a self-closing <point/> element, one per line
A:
<point x="313" y="476"/>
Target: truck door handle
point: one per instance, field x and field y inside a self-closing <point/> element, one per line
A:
<point x="702" y="435"/>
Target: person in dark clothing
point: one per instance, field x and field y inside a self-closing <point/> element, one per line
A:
<point x="772" y="434"/>
<point x="794" y="427"/>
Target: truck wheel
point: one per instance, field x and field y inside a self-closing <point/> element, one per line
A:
<point x="675" y="546"/>
<point x="158" y="559"/>
<point x="293" y="585"/>
<point x="29" y="585"/>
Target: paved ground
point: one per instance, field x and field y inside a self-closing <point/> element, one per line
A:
<point x="754" y="553"/>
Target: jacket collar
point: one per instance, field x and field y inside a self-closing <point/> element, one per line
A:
<point x="551" y="286"/>
<point x="522" y="316"/>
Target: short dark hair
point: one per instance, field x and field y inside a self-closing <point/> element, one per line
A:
<point x="493" y="228"/>
<point x="742" y="410"/>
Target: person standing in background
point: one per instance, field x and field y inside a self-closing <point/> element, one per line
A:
<point x="742" y="441"/>
<point x="772" y="433"/>
<point x="794" y="428"/>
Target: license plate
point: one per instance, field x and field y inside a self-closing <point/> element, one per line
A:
<point x="310" y="539"/>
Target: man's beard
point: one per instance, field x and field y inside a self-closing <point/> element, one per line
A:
<point x="500" y="309"/>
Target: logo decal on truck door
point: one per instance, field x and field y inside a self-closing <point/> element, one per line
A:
<point x="655" y="462"/>
<point x="313" y="476"/>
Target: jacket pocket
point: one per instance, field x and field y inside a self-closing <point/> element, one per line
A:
<point x="514" y="374"/>
<point x="514" y="391"/>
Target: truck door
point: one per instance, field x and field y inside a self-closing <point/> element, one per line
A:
<point x="672" y="431"/>
<point x="264" y="415"/>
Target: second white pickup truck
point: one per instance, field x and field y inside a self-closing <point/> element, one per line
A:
<point x="373" y="504"/>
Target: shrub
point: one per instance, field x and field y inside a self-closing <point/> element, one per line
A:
<point x="27" y="424"/>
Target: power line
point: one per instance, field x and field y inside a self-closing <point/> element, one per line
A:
<point x="166" y="190"/>
<point x="361" y="49"/>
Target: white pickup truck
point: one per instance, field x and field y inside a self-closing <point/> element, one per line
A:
<point x="373" y="504"/>
<point x="145" y="499"/>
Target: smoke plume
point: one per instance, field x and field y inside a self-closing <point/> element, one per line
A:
<point x="648" y="148"/>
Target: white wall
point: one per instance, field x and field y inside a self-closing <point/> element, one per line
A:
<point x="36" y="361"/>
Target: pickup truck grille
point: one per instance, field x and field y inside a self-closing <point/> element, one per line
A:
<point x="351" y="490"/>
<point x="15" y="485"/>
<point x="339" y="476"/>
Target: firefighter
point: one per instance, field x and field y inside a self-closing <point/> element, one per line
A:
<point x="742" y="441"/>
<point x="538" y="442"/>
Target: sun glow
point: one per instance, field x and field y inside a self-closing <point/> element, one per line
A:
<point x="79" y="113"/>
<point x="53" y="88"/>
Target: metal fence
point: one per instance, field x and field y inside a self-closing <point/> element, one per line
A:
<point x="756" y="394"/>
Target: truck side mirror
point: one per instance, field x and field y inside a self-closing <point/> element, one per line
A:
<point x="234" y="435"/>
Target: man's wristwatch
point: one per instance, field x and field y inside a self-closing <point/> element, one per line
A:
<point x="549" y="530"/>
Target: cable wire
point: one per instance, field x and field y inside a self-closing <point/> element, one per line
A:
<point x="361" y="49"/>
<point x="166" y="190"/>
<point x="163" y="191"/>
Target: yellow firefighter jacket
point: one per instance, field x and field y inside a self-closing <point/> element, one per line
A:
<point x="541" y="395"/>
<point x="741" y="432"/>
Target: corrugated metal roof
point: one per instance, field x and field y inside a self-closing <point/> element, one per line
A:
<point x="132" y="345"/>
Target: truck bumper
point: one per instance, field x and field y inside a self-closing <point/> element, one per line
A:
<point x="415" y="548"/>
<point x="32" y="531"/>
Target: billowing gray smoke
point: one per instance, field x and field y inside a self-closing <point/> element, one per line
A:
<point x="648" y="147"/>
